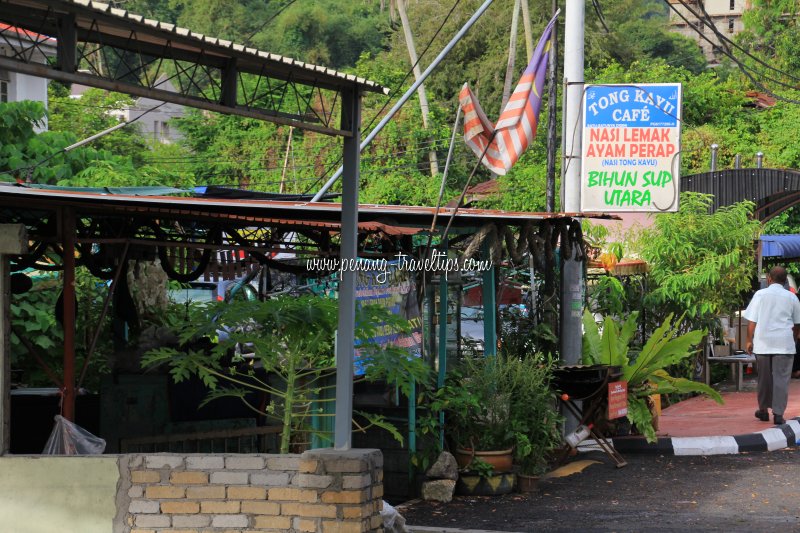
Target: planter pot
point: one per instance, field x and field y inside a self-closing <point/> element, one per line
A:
<point x="470" y="484"/>
<point x="527" y="483"/>
<point x="501" y="460"/>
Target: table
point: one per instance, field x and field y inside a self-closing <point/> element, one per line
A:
<point x="737" y="363"/>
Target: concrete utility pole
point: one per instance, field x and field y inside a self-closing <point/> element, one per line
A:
<point x="572" y="271"/>
<point x="423" y="97"/>
<point x="573" y="94"/>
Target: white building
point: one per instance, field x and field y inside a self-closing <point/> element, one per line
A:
<point x="15" y="87"/>
<point x="726" y="15"/>
<point x="155" y="124"/>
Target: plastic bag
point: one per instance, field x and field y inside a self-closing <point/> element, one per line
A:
<point x="393" y="522"/>
<point x="71" y="439"/>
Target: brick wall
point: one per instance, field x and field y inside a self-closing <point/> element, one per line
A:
<point x="321" y="490"/>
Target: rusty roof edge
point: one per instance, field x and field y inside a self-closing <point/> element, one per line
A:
<point x="320" y="207"/>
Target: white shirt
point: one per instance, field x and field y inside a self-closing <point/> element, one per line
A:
<point x="774" y="310"/>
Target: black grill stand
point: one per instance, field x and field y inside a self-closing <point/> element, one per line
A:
<point x="586" y="418"/>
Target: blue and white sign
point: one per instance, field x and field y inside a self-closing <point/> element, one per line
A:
<point x="631" y="147"/>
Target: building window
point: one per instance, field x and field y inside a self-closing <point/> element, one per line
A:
<point x="3" y="91"/>
<point x="164" y="130"/>
<point x="731" y="22"/>
<point x="733" y="5"/>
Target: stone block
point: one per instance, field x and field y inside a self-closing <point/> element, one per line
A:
<point x="143" y="507"/>
<point x="313" y="481"/>
<point x="189" y="478"/>
<point x="163" y="492"/>
<point x="136" y="491"/>
<point x="445" y="467"/>
<point x="145" y="476"/>
<point x="253" y="462"/>
<point x="309" y="466"/>
<point x="308" y="510"/>
<point x="438" y="490"/>
<point x="263" y="508"/>
<point x="191" y="520"/>
<point x="345" y="465"/>
<point x="344" y="496"/>
<point x="308" y="525"/>
<point x="283" y="463"/>
<point x="162" y="461"/>
<point x="205" y="462"/>
<point x="217" y="507"/>
<point x="342" y="526"/>
<point x="206" y="493"/>
<point x="270" y="480"/>
<point x="176" y="507"/>
<point x="293" y="495"/>
<point x="151" y="520"/>
<point x="230" y="478"/>
<point x="356" y="482"/>
<point x="273" y="522"/>
<point x="231" y="520"/>
<point x="247" y="493"/>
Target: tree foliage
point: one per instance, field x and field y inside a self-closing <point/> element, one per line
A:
<point x="700" y="263"/>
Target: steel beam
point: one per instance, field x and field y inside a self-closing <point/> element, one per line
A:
<point x="68" y="291"/>
<point x="13" y="240"/>
<point x="45" y="71"/>
<point x="345" y="341"/>
<point x="67" y="44"/>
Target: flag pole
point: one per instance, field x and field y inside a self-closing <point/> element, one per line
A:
<point x="403" y="99"/>
<point x="552" y="116"/>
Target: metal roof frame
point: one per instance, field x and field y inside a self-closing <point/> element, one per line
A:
<point x="210" y="73"/>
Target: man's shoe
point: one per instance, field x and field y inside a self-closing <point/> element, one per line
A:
<point x="762" y="415"/>
<point x="779" y="420"/>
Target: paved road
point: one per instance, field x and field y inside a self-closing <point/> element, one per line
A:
<point x="747" y="492"/>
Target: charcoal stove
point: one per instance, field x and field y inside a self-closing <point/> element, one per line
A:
<point x="575" y="385"/>
<point x="582" y="382"/>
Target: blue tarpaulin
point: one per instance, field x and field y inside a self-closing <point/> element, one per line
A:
<point x="785" y="246"/>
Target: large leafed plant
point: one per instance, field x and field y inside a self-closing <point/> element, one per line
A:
<point x="645" y="371"/>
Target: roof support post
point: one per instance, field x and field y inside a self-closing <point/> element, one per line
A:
<point x="13" y="241"/>
<point x="67" y="44"/>
<point x="68" y="239"/>
<point x="345" y="340"/>
<point x="229" y="83"/>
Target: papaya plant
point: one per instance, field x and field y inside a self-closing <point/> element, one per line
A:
<point x="645" y="371"/>
<point x="284" y="348"/>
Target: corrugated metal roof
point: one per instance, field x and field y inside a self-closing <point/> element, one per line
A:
<point x="320" y="212"/>
<point x="174" y="33"/>
<point x="785" y="246"/>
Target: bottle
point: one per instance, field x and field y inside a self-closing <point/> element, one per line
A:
<point x="575" y="438"/>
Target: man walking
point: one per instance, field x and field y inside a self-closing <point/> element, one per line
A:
<point x="774" y="316"/>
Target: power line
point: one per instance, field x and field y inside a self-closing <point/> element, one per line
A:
<point x="397" y="88"/>
<point x="746" y="70"/>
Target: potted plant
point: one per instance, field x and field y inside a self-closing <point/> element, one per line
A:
<point x="645" y="371"/>
<point x="499" y="410"/>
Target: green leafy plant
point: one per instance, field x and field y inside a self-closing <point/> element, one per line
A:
<point x="502" y="402"/>
<point x="644" y="371"/>
<point x="284" y="348"/>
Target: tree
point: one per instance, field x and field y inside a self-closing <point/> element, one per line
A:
<point x="700" y="263"/>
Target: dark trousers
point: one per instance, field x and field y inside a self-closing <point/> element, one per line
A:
<point x="774" y="374"/>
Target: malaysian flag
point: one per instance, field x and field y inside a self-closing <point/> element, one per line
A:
<point x="516" y="128"/>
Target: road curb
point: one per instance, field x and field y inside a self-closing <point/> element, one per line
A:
<point x="775" y="438"/>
